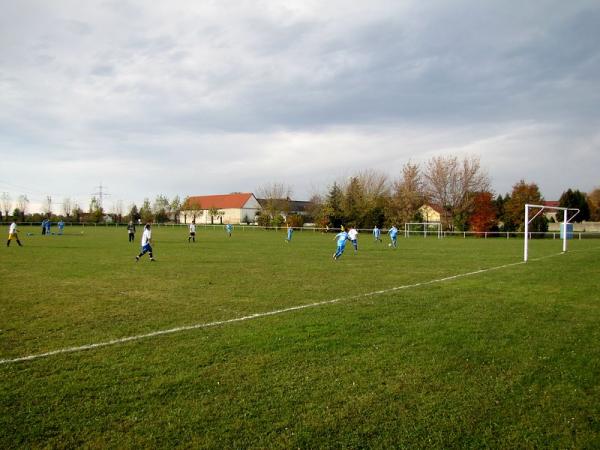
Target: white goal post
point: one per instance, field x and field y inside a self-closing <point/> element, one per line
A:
<point x="541" y="208"/>
<point x="425" y="226"/>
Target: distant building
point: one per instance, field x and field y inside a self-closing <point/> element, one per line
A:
<point x="431" y="213"/>
<point x="552" y="214"/>
<point x="293" y="207"/>
<point x="233" y="208"/>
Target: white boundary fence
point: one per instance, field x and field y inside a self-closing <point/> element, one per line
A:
<point x="363" y="231"/>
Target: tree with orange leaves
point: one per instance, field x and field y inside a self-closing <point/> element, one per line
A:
<point x="483" y="217"/>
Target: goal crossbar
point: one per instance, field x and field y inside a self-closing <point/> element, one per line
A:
<point x="540" y="209"/>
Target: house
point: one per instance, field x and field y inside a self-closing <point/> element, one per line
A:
<point x="236" y="208"/>
<point x="552" y="214"/>
<point x="431" y="213"/>
<point x="291" y="207"/>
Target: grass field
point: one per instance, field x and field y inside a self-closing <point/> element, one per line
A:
<point x="505" y="356"/>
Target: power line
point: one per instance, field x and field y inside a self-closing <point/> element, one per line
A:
<point x="101" y="194"/>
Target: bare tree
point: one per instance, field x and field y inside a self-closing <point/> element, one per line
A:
<point x="374" y="184"/>
<point x="118" y="209"/>
<point x="22" y="204"/>
<point x="5" y="203"/>
<point x="276" y="198"/>
<point x="450" y="183"/>
<point x="67" y="206"/>
<point x="47" y="206"/>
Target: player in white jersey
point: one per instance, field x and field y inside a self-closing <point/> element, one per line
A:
<point x="353" y="237"/>
<point x="146" y="241"/>
<point x="192" y="236"/>
<point x="13" y="234"/>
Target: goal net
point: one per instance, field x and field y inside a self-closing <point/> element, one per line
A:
<point x="533" y="211"/>
<point x="423" y="228"/>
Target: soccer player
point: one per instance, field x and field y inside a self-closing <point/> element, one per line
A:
<point x="13" y="234"/>
<point x="44" y="226"/>
<point x="393" y="232"/>
<point x="61" y="227"/>
<point x="353" y="237"/>
<point x="48" y="223"/>
<point x="146" y="241"/>
<point x="376" y="234"/>
<point x="131" y="231"/>
<point x="290" y="231"/>
<point x="229" y="229"/>
<point x="192" y="236"/>
<point x="341" y="237"/>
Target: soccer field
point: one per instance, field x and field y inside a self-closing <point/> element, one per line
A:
<point x="250" y="342"/>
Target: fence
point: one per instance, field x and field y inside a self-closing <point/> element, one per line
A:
<point x="411" y="233"/>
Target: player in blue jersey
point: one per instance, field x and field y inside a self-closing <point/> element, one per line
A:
<point x="341" y="238"/>
<point x="393" y="232"/>
<point x="376" y="234"/>
<point x="229" y="229"/>
<point x="290" y="231"/>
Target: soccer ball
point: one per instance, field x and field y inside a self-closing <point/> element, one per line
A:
<point x="389" y="245"/>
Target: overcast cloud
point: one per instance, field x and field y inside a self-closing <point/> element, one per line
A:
<point x="193" y="98"/>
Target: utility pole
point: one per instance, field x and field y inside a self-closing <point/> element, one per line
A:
<point x="100" y="194"/>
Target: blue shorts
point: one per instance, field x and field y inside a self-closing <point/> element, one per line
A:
<point x="146" y="248"/>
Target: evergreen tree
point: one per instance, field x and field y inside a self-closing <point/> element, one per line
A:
<point x="332" y="210"/>
<point x="575" y="199"/>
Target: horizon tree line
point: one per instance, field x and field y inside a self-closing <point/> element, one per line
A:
<point x="458" y="188"/>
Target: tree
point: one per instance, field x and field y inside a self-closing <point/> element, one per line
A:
<point x="450" y="184"/>
<point x="47" y="206"/>
<point x="118" y="209"/>
<point x="314" y="209"/>
<point x="375" y="197"/>
<point x="96" y="211"/>
<point x="67" y="206"/>
<point x="332" y="209"/>
<point x="134" y="214"/>
<point x="514" y="208"/>
<point x="483" y="217"/>
<point x="146" y="212"/>
<point x="77" y="212"/>
<point x="192" y="207"/>
<point x="160" y="209"/>
<point x="214" y="212"/>
<point x="575" y="199"/>
<point x="594" y="201"/>
<point x="22" y="204"/>
<point x="353" y="201"/>
<point x="5" y="203"/>
<point x="407" y="195"/>
<point x="275" y="199"/>
<point x="176" y="208"/>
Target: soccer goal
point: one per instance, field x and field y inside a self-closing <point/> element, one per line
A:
<point x="540" y="209"/>
<point x="423" y="228"/>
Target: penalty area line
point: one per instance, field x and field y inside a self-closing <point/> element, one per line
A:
<point x="138" y="337"/>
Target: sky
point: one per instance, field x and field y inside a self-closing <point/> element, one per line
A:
<point x="210" y="97"/>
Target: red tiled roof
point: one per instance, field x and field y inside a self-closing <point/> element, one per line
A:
<point x="225" y="201"/>
<point x="551" y="203"/>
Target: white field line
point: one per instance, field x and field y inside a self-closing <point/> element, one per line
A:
<point x="254" y="316"/>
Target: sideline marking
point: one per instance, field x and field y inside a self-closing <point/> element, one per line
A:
<point x="256" y="315"/>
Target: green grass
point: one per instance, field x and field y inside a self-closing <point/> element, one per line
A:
<point x="503" y="358"/>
